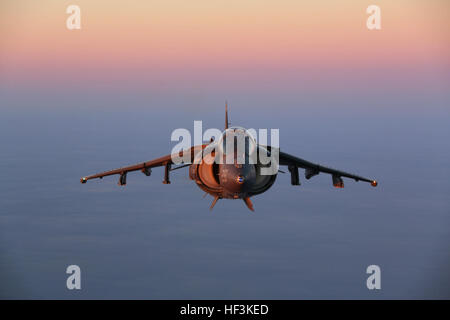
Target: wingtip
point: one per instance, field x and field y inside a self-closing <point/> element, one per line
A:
<point x="83" y="180"/>
<point x="374" y="183"/>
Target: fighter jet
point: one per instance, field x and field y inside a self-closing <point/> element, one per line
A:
<point x="232" y="175"/>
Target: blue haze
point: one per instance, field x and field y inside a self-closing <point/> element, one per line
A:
<point x="155" y="241"/>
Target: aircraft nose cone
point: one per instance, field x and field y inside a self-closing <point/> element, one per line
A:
<point x="237" y="180"/>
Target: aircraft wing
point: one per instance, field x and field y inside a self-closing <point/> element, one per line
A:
<point x="312" y="169"/>
<point x="145" y="167"/>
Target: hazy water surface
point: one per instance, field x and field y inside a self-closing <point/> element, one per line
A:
<point x="149" y="240"/>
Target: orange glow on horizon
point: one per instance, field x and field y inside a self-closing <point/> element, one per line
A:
<point x="197" y="39"/>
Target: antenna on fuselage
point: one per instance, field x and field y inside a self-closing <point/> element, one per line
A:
<point x="226" y="115"/>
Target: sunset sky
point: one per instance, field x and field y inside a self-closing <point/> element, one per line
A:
<point x="217" y="48"/>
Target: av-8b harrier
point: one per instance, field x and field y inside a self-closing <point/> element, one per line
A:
<point x="210" y="167"/>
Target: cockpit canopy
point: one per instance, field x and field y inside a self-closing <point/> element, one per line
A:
<point x="236" y="143"/>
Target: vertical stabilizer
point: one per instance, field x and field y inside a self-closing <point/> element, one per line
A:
<point x="226" y="115"/>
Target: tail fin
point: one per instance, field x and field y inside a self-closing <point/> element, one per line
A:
<point x="226" y="116"/>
